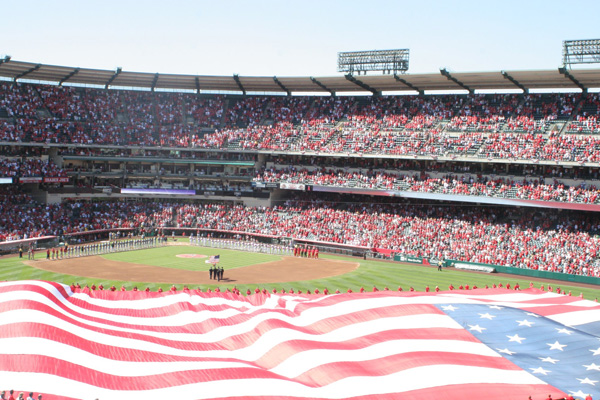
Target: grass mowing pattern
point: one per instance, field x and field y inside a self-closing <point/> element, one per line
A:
<point x="370" y="273"/>
<point x="166" y="257"/>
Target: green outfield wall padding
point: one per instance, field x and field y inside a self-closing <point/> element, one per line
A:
<point x="533" y="273"/>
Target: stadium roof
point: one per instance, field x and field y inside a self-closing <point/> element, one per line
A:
<point x="443" y="81"/>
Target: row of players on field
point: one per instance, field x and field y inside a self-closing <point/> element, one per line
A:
<point x="306" y="251"/>
<point x="95" y="248"/>
<point x="146" y="242"/>
<point x="256" y="247"/>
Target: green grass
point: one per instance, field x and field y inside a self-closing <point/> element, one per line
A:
<point x="165" y="257"/>
<point x="370" y="273"/>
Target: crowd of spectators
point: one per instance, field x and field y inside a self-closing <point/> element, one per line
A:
<point x="466" y="185"/>
<point x="559" y="242"/>
<point x="21" y="217"/>
<point x="486" y="126"/>
<point x="27" y="167"/>
<point x="588" y="119"/>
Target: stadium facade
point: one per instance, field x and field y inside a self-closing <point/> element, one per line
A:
<point x="73" y="136"/>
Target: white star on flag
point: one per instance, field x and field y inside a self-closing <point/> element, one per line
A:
<point x="515" y="338"/>
<point x="564" y="330"/>
<point x="579" y="393"/>
<point x="525" y="323"/>
<point x="487" y="316"/>
<point x="596" y="352"/>
<point x="587" y="381"/>
<point x="592" y="366"/>
<point x="449" y="308"/>
<point x="539" y="370"/>
<point x="506" y="351"/>
<point x="556" y="346"/>
<point x="549" y="359"/>
<point x="476" y="328"/>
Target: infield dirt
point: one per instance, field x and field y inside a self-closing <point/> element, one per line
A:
<point x="288" y="269"/>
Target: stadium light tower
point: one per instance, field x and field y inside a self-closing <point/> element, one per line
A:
<point x="386" y="61"/>
<point x="581" y="52"/>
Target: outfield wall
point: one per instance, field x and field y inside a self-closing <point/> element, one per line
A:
<point x="533" y="273"/>
<point x="507" y="270"/>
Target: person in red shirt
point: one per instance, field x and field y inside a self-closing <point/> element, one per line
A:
<point x="400" y="288"/>
<point x="248" y="292"/>
<point x="349" y="290"/>
<point x="317" y="291"/>
<point x="375" y="289"/>
<point x="427" y="288"/>
<point x="451" y="287"/>
<point x="362" y="289"/>
<point x="437" y="289"/>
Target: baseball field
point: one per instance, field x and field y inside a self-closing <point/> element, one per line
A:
<point x="182" y="265"/>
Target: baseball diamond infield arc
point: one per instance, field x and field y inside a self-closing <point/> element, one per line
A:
<point x="288" y="269"/>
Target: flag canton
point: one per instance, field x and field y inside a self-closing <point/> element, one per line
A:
<point x="564" y="357"/>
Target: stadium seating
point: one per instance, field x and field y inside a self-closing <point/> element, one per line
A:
<point x="376" y="142"/>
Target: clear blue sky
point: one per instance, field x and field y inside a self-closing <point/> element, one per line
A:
<point x="292" y="38"/>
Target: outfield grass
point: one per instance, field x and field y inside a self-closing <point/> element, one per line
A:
<point x="370" y="273"/>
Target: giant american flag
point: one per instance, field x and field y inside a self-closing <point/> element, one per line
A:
<point x="484" y="343"/>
